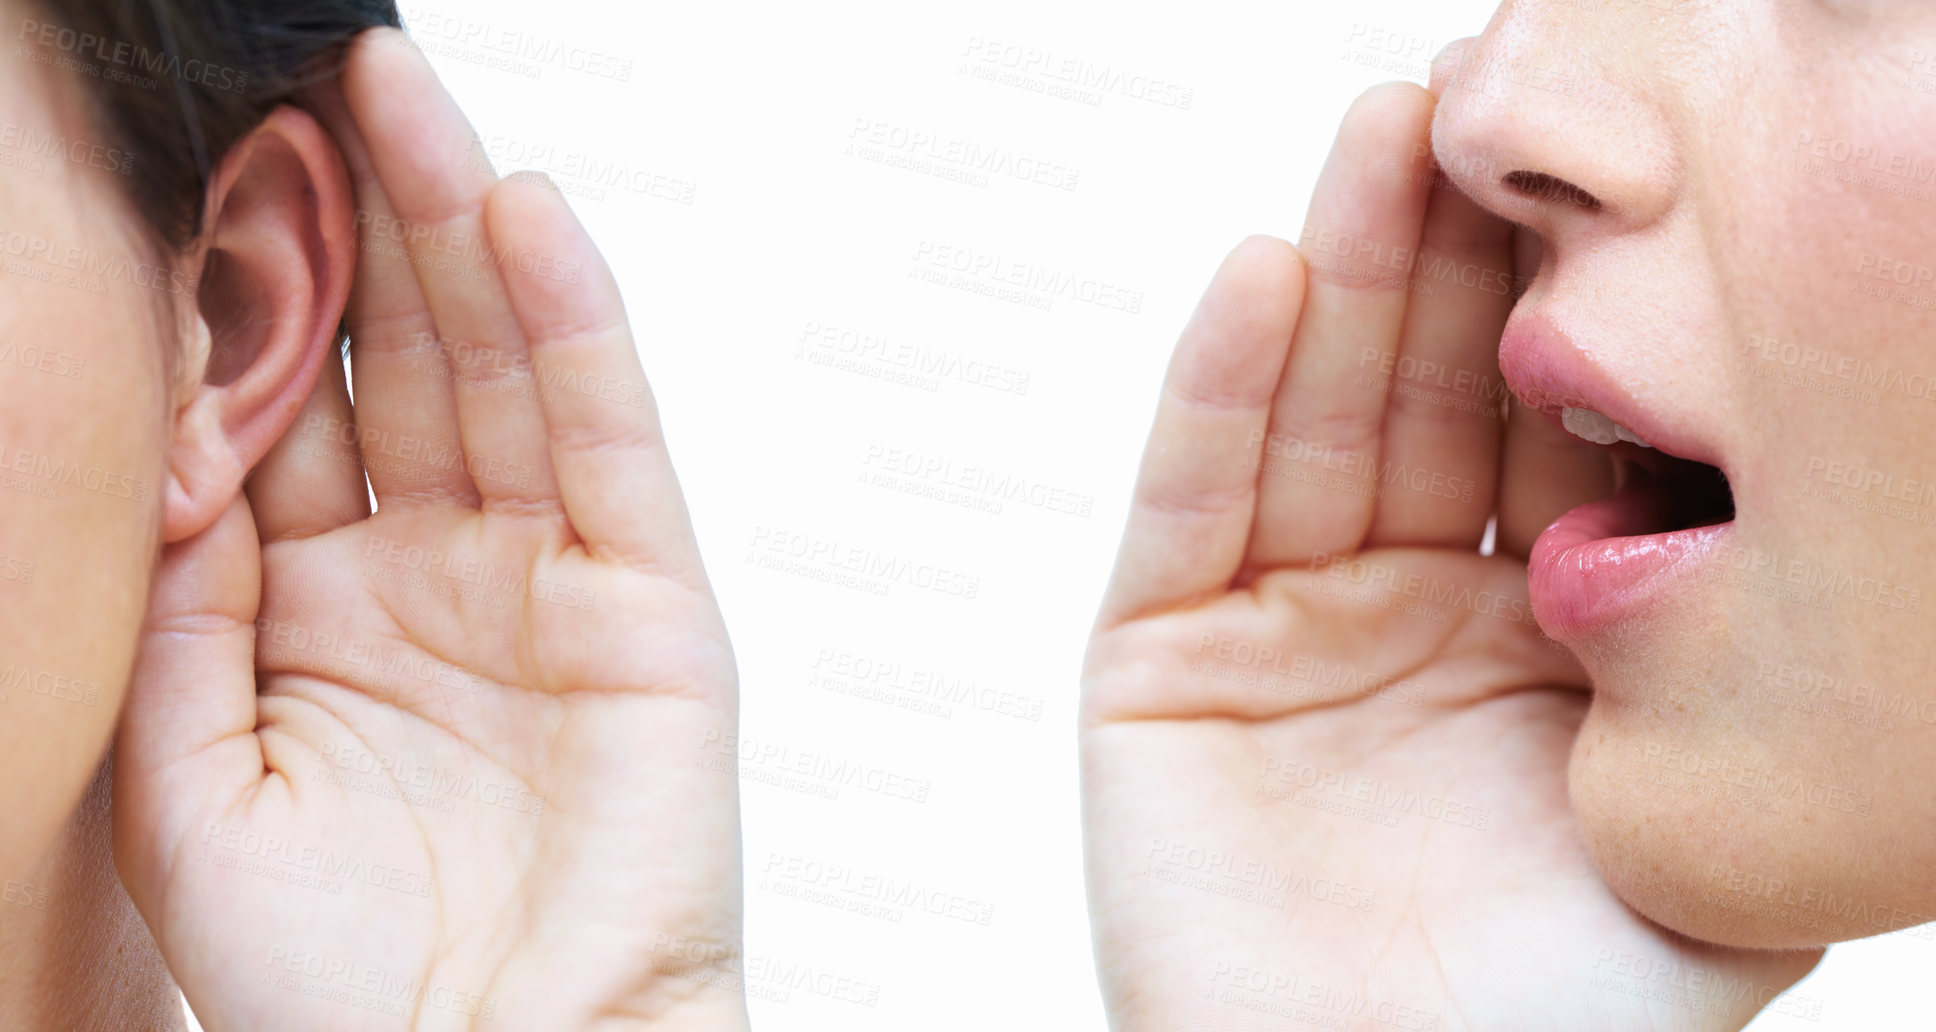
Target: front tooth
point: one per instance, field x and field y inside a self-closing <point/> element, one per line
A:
<point x="1589" y="425"/>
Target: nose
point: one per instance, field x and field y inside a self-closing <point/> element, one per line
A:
<point x="1541" y="131"/>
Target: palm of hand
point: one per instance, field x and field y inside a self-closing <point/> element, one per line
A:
<point x="443" y="749"/>
<point x="1356" y="816"/>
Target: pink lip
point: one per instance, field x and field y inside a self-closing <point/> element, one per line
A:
<point x="1590" y="569"/>
<point x="1548" y="372"/>
<point x="1582" y="579"/>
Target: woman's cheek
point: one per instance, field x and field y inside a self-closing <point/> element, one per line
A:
<point x="82" y="437"/>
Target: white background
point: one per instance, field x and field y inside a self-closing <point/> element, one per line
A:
<point x="753" y="107"/>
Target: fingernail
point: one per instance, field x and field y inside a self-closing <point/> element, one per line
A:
<point x="535" y="178"/>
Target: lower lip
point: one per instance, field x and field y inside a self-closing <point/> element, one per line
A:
<point x="1583" y="580"/>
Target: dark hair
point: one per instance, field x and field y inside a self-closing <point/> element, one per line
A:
<point x="176" y="83"/>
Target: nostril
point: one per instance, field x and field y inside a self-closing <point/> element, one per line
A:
<point x="1550" y="189"/>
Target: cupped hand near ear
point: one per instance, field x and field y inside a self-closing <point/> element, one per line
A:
<point x="1324" y="743"/>
<point x="455" y="764"/>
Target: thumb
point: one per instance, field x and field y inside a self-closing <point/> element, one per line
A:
<point x="187" y="739"/>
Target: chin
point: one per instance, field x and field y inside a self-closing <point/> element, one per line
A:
<point x="1698" y="856"/>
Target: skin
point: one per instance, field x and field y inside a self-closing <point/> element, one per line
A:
<point x="351" y="791"/>
<point x="74" y="952"/>
<point x="1724" y="229"/>
<point x="74" y="585"/>
<point x="1254" y="711"/>
<point x="91" y="551"/>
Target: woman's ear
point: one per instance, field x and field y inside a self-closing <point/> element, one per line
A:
<point x="279" y="253"/>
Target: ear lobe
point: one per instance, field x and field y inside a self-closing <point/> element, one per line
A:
<point x="278" y="257"/>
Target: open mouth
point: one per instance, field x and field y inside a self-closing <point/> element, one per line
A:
<point x="1618" y="559"/>
<point x="1656" y="492"/>
<point x="1606" y="561"/>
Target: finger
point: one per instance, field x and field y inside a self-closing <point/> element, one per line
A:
<point x="187" y="735"/>
<point x="1543" y="470"/>
<point x="426" y="157"/>
<point x="1449" y="65"/>
<point x="1321" y="476"/>
<point x="406" y="407"/>
<point x="615" y="476"/>
<point x="1190" y="516"/>
<point x="312" y="482"/>
<point x="1445" y="411"/>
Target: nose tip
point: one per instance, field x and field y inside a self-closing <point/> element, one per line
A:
<point x="1548" y="139"/>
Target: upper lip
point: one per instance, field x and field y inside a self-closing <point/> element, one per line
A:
<point x="1548" y="371"/>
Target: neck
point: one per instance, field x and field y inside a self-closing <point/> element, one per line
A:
<point x="74" y="953"/>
